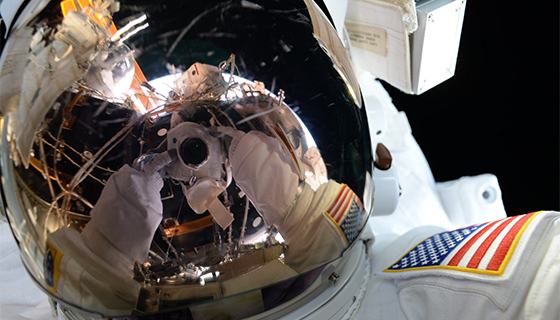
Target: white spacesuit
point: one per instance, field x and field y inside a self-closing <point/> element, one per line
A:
<point x="447" y="250"/>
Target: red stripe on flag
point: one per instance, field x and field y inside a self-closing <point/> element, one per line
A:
<point x="479" y="254"/>
<point x="503" y="249"/>
<point x="340" y="213"/>
<point x="338" y="201"/>
<point x="459" y="255"/>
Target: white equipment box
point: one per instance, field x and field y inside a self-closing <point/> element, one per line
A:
<point x="411" y="60"/>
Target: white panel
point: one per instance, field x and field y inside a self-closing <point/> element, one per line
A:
<point x="436" y="42"/>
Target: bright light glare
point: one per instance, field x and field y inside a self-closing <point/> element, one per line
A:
<point x="139" y="106"/>
<point x="166" y="84"/>
<point x="279" y="238"/>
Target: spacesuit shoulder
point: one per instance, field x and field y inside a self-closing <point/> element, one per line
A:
<point x="497" y="268"/>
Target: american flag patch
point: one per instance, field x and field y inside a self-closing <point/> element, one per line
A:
<point x="346" y="211"/>
<point x="485" y="248"/>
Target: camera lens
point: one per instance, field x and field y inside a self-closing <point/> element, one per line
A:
<point x="193" y="151"/>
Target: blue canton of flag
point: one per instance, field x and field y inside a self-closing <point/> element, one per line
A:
<point x="351" y="222"/>
<point x="434" y="250"/>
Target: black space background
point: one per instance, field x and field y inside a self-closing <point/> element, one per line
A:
<point x="500" y="112"/>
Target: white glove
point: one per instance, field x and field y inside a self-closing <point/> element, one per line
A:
<point x="264" y="174"/>
<point x="129" y="209"/>
<point x="96" y="265"/>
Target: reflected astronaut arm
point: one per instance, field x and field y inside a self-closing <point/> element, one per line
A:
<point x="96" y="265"/>
<point x="301" y="215"/>
<point x="263" y="172"/>
<point x="94" y="274"/>
<point x="129" y="209"/>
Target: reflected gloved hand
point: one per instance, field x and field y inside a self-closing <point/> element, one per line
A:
<point x="155" y="168"/>
<point x="129" y="209"/>
<point x="300" y="213"/>
<point x="264" y="174"/>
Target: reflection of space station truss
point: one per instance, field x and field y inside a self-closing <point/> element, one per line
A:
<point x="187" y="245"/>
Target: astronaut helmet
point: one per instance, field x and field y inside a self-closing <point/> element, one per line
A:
<point x="181" y="159"/>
